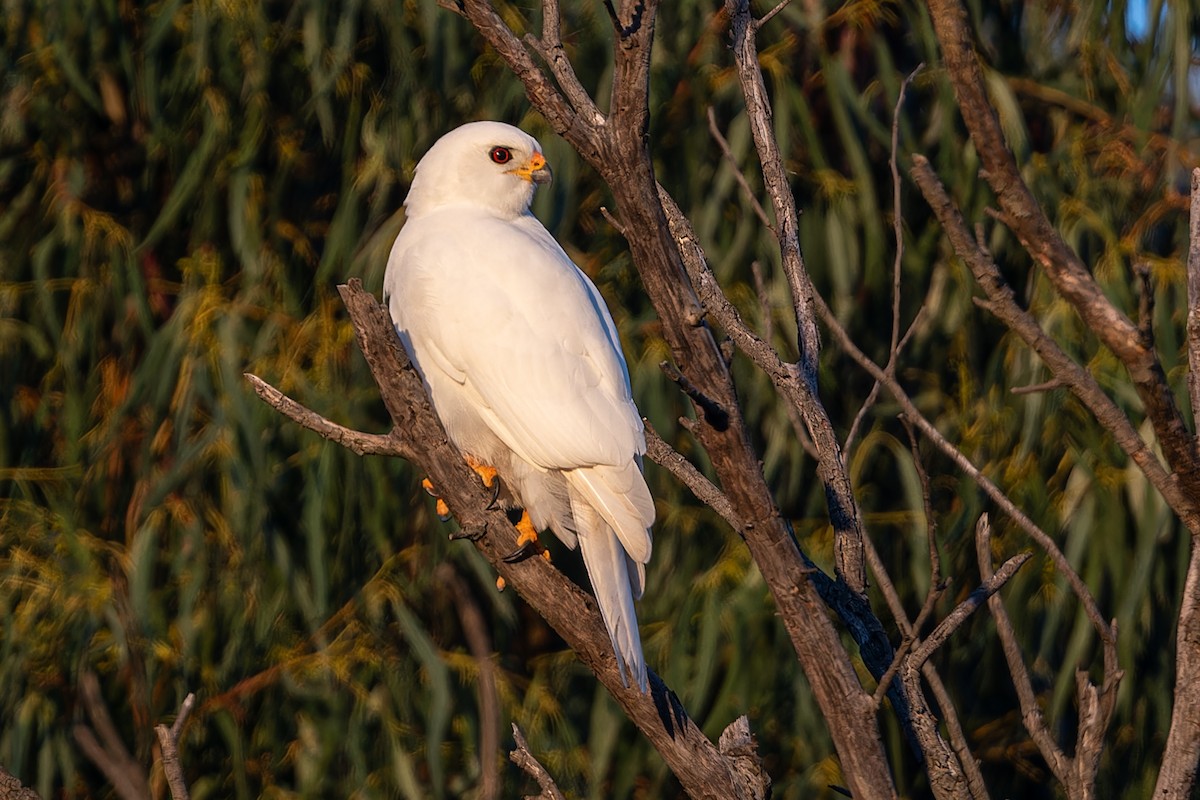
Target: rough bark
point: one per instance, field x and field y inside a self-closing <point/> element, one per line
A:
<point x="701" y="768"/>
<point x="616" y="146"/>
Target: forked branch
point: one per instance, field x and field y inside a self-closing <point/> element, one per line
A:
<point x="700" y="767"/>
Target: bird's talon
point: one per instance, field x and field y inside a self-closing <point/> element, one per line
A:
<point x="427" y="485"/>
<point x="495" y="496"/>
<point x="500" y="583"/>
<point x="443" y="510"/>
<point x="521" y="553"/>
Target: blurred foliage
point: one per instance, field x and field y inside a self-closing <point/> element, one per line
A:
<point x="182" y="185"/>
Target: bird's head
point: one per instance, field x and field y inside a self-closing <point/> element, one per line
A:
<point x="484" y="164"/>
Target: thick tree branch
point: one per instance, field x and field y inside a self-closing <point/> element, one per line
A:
<point x="618" y="151"/>
<point x="700" y="767"/>
<point x="1193" y="284"/>
<point x="1181" y="758"/>
<point x="12" y="789"/>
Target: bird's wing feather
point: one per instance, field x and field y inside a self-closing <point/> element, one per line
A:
<point x="620" y="496"/>
<point x="501" y="309"/>
<point x="607" y="566"/>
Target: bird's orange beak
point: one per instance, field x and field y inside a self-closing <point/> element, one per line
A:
<point x="535" y="170"/>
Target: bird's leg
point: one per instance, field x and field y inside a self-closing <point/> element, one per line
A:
<point x="486" y="474"/>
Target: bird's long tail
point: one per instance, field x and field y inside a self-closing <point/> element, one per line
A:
<point x="614" y="577"/>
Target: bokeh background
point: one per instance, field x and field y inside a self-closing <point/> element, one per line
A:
<point x="183" y="184"/>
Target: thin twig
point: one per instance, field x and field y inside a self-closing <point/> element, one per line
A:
<point x="958" y="737"/>
<point x="674" y="462"/>
<point x="967" y="607"/>
<point x="1038" y="388"/>
<point x="1031" y="710"/>
<point x="767" y="17"/>
<point x="604" y="212"/>
<point x="526" y="761"/>
<point x="550" y="48"/>
<point x="374" y="444"/>
<point x="738" y="175"/>
<point x="897" y="263"/>
<point x="168" y="742"/>
<point x="936" y="584"/>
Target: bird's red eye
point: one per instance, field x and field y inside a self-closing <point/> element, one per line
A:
<point x="501" y="155"/>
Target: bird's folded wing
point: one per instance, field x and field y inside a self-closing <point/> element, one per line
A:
<point x="512" y="318"/>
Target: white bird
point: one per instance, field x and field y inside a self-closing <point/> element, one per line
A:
<point x="522" y="361"/>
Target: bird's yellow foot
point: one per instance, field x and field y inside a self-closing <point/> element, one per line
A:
<point x="443" y="510"/>
<point x="527" y="541"/>
<point x="488" y="476"/>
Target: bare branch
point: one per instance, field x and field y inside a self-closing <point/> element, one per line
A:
<point x="1031" y="710"/>
<point x="104" y="747"/>
<point x="949" y="774"/>
<point x="958" y="738"/>
<point x="566" y="607"/>
<point x="966" y="608"/>
<point x="847" y="529"/>
<point x="738" y="175"/>
<point x="550" y="48"/>
<point x="1037" y="388"/>
<point x="1177" y="775"/>
<point x="12" y="789"/>
<point x="936" y="585"/>
<point x="1002" y="302"/>
<point x="737" y="744"/>
<point x="897" y="263"/>
<point x="1071" y="278"/>
<point x="1040" y="537"/>
<point x="619" y="151"/>
<point x="363" y="444"/>
<point x="168" y="742"/>
<point x="767" y="17"/>
<point x="526" y="761"/>
<point x="541" y="90"/>
<point x="1193" y="284"/>
<point x="674" y="462"/>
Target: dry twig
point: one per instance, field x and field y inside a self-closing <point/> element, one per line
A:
<point x="168" y="741"/>
<point x="526" y="761"/>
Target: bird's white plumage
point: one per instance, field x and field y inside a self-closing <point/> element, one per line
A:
<point x="522" y="361"/>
